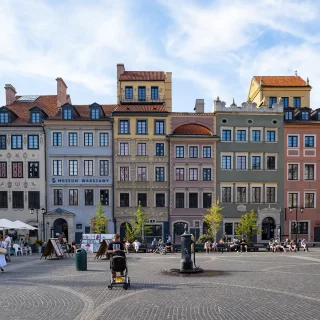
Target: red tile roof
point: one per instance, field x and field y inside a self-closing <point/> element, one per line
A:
<point x="141" y="108"/>
<point x="281" y="81"/>
<point x="143" y="75"/>
<point x="192" y="129"/>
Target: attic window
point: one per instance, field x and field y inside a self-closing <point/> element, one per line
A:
<point x="288" y="115"/>
<point x="95" y="114"/>
<point x="28" y="98"/>
<point x="318" y="115"/>
<point x="67" y="114"/>
<point x="305" y="115"/>
<point x="35" y="117"/>
<point x="4" y="117"/>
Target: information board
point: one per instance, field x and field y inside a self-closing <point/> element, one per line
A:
<point x="53" y="247"/>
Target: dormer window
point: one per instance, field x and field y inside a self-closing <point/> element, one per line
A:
<point x="67" y="114"/>
<point x="318" y="114"/>
<point x="288" y="115"/>
<point x="272" y="100"/>
<point x="35" y="117"/>
<point x="95" y="114"/>
<point x="305" y="115"/>
<point x="4" y="117"/>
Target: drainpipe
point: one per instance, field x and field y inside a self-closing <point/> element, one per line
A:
<point x="113" y="166"/>
<point x="45" y="181"/>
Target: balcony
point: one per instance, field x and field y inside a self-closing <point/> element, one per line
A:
<point x="148" y="99"/>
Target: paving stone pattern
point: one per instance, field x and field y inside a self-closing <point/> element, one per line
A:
<point x="244" y="286"/>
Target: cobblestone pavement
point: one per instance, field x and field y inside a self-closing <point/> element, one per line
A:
<point x="244" y="286"/>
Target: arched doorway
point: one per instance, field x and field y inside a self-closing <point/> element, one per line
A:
<point x="60" y="225"/>
<point x="178" y="230"/>
<point x="268" y="227"/>
<point x="123" y="230"/>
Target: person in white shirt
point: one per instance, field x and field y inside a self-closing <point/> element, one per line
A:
<point x="137" y="245"/>
<point x="8" y="241"/>
<point x="207" y="246"/>
<point x="304" y="244"/>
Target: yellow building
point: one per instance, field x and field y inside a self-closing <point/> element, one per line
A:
<point x="141" y="169"/>
<point x="292" y="91"/>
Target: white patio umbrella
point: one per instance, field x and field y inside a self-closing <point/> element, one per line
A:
<point x="21" y="225"/>
<point x="7" y="224"/>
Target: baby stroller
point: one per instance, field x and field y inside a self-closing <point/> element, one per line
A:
<point x="118" y="264"/>
<point x="160" y="249"/>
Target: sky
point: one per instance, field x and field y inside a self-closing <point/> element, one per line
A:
<point x="213" y="48"/>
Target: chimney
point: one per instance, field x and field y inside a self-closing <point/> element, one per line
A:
<point x="199" y="106"/>
<point x="120" y="70"/>
<point x="61" y="92"/>
<point x="10" y="94"/>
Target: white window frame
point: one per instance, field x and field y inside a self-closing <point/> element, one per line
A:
<point x="261" y="161"/>
<point x="315" y="171"/>
<point x="62" y="165"/>
<point x="287" y="140"/>
<point x="232" y="133"/>
<point x="123" y="165"/>
<point x="198" y="151"/>
<point x="142" y="143"/>
<point x="314" y="139"/>
<point x="261" y="134"/>
<point x="52" y="133"/>
<point x="299" y="199"/>
<point x="266" y="163"/>
<point x="119" y="148"/>
<point x="147" y="176"/>
<point x="271" y="185"/>
<point x="207" y="146"/>
<point x="164" y="172"/>
<point x="241" y="185"/>
<point x="271" y="129"/>
<point x="226" y="154"/>
<point x="236" y="134"/>
<point x="315" y="199"/>
<point x="227" y="185"/>
<point x="77" y="162"/>
<point x="256" y="185"/>
<point x="193" y="168"/>
<point x="198" y="199"/>
<point x="84" y="167"/>
<point x="164" y="148"/>
<point x="288" y="163"/>
<point x="241" y="154"/>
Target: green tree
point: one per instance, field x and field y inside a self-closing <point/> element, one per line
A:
<point x="99" y="221"/>
<point x="248" y="225"/>
<point x="213" y="220"/>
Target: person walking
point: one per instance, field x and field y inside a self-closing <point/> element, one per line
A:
<point x="3" y="263"/>
<point x="137" y="245"/>
<point x="8" y="241"/>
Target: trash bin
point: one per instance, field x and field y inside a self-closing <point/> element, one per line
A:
<point x="81" y="260"/>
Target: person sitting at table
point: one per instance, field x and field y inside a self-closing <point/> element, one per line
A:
<point x="304" y="244"/>
<point x="243" y="244"/>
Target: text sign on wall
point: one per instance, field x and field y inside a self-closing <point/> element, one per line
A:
<point x="81" y="180"/>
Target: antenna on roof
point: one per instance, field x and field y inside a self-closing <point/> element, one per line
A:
<point x="296" y="73"/>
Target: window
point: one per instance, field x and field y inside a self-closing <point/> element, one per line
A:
<point x="256" y="135"/>
<point x="17" y="200"/>
<point x="88" y="197"/>
<point x="67" y="114"/>
<point x="124" y="149"/>
<point x="57" y="197"/>
<point x="226" y="194"/>
<point x="160" y="174"/>
<point x="142" y="199"/>
<point x="256" y="194"/>
<point x="193" y="152"/>
<point x="73" y="197"/>
<point x="271" y="163"/>
<point x="142" y="93"/>
<point x="309" y="141"/>
<point x="16" y="142"/>
<point x="104" y="139"/>
<point x="128" y="92"/>
<point x="293" y="172"/>
<point x="142" y="149"/>
<point x="57" y="167"/>
<point x="293" y="200"/>
<point x="17" y="169"/>
<point x="241" y="162"/>
<point x="241" y="194"/>
<point x="95" y="113"/>
<point x="292" y="141"/>
<point x="141" y="174"/>
<point x="88" y="167"/>
<point x="179" y="174"/>
<point x="124" y="173"/>
<point x="160" y="200"/>
<point x="226" y="135"/>
<point x="272" y="100"/>
<point x="88" y="139"/>
<point x="33" y="142"/>
<point x="206" y="152"/>
<point x="256" y="163"/>
<point x="34" y="199"/>
<point x="179" y="152"/>
<point x="226" y="162"/>
<point x="154" y="93"/>
<point x="104" y="167"/>
<point x="57" y="139"/>
<point x="3" y="170"/>
<point x="271" y="195"/>
<point x="73" y="139"/>
<point x="73" y="167"/>
<point x="3" y="199"/>
<point x="305" y="115"/>
<point x="104" y="197"/>
<point x="159" y="127"/>
<point x="33" y="170"/>
<point x="206" y="200"/>
<point x="124" y="199"/>
<point x="309" y="200"/>
<point x="35" y="117"/>
<point x="285" y="101"/>
<point x="179" y="200"/>
<point x="193" y="200"/>
<point x="302" y="228"/>
<point x="288" y="115"/>
<point x="193" y="174"/>
<point x="160" y="149"/>
<point x="124" y="127"/>
<point x="206" y="174"/>
<point x="141" y="126"/>
<point x="271" y="136"/>
<point x="241" y="135"/>
<point x="79" y="226"/>
<point x="4" y="117"/>
<point x="309" y="172"/>
<point x="296" y="102"/>
<point x="3" y="142"/>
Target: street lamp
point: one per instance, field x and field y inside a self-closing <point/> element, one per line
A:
<point x="301" y="210"/>
<point x="37" y="211"/>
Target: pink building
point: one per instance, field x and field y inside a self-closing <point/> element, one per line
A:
<point x="302" y="167"/>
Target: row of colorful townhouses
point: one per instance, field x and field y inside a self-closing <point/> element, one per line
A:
<point x="61" y="159"/>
